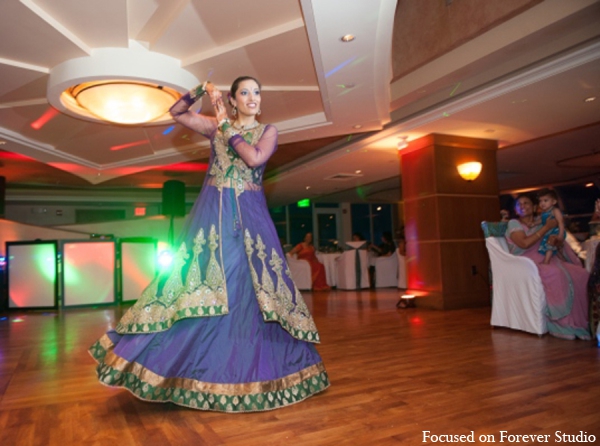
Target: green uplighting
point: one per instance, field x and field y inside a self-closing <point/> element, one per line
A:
<point x="45" y="261"/>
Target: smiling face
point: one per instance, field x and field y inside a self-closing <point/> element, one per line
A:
<point x="524" y="207"/>
<point x="247" y="98"/>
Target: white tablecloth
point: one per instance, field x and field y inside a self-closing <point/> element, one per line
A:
<point x="328" y="260"/>
<point x="590" y="252"/>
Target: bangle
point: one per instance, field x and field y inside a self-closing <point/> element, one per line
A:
<point x="199" y="91"/>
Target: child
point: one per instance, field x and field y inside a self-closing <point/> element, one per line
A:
<point x="547" y="200"/>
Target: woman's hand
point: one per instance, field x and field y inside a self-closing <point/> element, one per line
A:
<point x="555" y="240"/>
<point x="220" y="111"/>
<point x="213" y="92"/>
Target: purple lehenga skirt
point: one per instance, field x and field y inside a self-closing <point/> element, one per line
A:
<point x="233" y="362"/>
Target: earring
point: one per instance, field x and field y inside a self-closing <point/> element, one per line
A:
<point x="234" y="111"/>
<point x="258" y="112"/>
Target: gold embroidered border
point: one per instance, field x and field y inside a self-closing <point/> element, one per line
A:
<point x="233" y="398"/>
<point x="124" y="366"/>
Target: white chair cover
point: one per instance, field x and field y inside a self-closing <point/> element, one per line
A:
<point x="402" y="274"/>
<point x="301" y="273"/>
<point x="386" y="271"/>
<point x="518" y="300"/>
<point x="347" y="267"/>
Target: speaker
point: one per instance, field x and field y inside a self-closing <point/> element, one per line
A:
<point x="173" y="198"/>
<point x="2" y="195"/>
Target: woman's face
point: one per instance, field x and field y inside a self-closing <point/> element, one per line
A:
<point x="247" y="98"/>
<point x="524" y="207"/>
<point x="308" y="238"/>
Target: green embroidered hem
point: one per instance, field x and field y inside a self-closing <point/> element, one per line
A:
<point x="154" y="327"/>
<point x="232" y="398"/>
<point x="309" y="336"/>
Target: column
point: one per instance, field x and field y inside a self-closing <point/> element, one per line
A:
<point x="447" y="261"/>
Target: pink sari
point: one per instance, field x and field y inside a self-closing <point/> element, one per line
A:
<point x="565" y="285"/>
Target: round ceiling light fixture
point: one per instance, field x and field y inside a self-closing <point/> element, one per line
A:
<point x="129" y="86"/>
<point x="348" y="38"/>
<point x="122" y="102"/>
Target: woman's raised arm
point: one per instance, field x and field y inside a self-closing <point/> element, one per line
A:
<point x="181" y="113"/>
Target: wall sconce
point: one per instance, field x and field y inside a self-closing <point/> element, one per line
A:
<point x="403" y="143"/>
<point x="469" y="171"/>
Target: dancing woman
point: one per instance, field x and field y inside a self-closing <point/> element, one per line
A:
<point x="226" y="329"/>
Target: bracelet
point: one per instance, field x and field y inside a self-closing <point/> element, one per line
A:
<point x="199" y="91"/>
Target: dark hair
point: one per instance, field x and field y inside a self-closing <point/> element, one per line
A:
<point x="388" y="236"/>
<point x="358" y="235"/>
<point x="524" y="195"/>
<point x="236" y="84"/>
<point x="547" y="193"/>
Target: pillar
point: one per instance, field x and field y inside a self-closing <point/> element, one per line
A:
<point x="447" y="261"/>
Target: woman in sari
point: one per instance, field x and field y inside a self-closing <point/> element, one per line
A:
<point x="305" y="250"/>
<point x="564" y="282"/>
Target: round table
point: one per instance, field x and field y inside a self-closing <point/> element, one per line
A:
<point x="328" y="260"/>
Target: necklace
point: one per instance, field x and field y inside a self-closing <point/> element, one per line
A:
<point x="244" y="128"/>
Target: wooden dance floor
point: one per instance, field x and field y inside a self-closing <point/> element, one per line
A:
<point x="394" y="374"/>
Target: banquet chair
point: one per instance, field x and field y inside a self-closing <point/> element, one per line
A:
<point x="518" y="297"/>
<point x="300" y="270"/>
<point x="402" y="273"/>
<point x="347" y="268"/>
<point x="386" y="271"/>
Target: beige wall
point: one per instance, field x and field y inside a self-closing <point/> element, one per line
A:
<point x="427" y="29"/>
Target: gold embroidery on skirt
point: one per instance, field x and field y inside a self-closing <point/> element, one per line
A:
<point x="278" y="303"/>
<point x="197" y="298"/>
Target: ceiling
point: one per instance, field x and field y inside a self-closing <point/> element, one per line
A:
<point x="339" y="107"/>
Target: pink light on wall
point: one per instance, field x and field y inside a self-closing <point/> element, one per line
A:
<point x="43" y="120"/>
<point x="129" y="144"/>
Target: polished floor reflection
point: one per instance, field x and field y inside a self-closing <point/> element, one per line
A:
<point x="395" y="374"/>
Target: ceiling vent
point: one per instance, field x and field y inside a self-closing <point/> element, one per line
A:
<point x="343" y="176"/>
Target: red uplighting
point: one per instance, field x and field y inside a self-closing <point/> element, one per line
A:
<point x="43" y="120"/>
<point x="187" y="167"/>
<point x="130" y="144"/>
<point x="139" y="212"/>
<point x="14" y="156"/>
